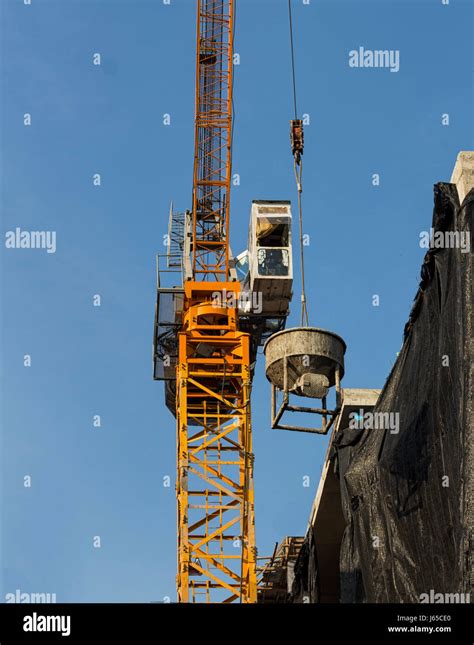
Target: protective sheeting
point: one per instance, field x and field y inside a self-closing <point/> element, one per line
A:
<point x="407" y="490"/>
<point x="306" y="581"/>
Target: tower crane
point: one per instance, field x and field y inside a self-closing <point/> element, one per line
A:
<point x="206" y="337"/>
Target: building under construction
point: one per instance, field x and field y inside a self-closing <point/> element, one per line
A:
<point x="393" y="516"/>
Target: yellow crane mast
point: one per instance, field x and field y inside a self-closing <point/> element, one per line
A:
<point x="216" y="525"/>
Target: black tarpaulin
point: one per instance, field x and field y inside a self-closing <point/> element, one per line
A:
<point x="305" y="587"/>
<point x="408" y="496"/>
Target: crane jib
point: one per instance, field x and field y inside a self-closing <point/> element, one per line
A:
<point x="213" y="139"/>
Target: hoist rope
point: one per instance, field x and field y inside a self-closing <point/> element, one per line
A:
<point x="299" y="186"/>
<point x="298" y="167"/>
<point x="292" y="58"/>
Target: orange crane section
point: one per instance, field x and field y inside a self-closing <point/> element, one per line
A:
<point x="216" y="526"/>
<point x="213" y="139"/>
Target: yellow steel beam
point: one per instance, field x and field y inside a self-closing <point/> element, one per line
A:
<point x="211" y="533"/>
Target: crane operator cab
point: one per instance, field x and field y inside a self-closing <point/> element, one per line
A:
<point x="266" y="268"/>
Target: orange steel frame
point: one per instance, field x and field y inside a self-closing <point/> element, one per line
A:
<point x="213" y="139"/>
<point x="216" y="525"/>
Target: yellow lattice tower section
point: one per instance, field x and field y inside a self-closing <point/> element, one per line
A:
<point x="216" y="527"/>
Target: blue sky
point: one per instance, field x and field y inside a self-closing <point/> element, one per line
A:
<point x="87" y="360"/>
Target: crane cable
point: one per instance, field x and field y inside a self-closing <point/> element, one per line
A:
<point x="292" y="58"/>
<point x="298" y="176"/>
<point x="297" y="148"/>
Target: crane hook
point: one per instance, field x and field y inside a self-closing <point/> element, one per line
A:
<point x="297" y="139"/>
